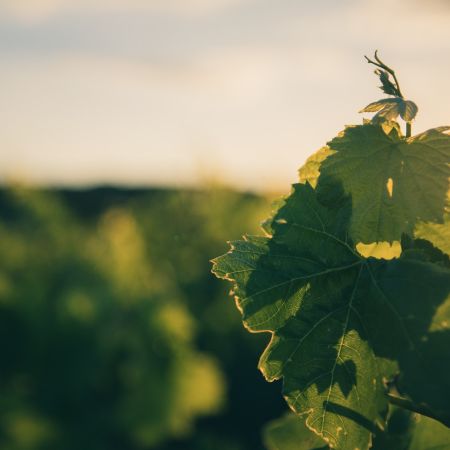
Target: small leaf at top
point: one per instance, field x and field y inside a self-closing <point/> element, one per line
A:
<point x="389" y="112"/>
<point x="390" y="108"/>
<point x="380" y="104"/>
<point x="408" y="110"/>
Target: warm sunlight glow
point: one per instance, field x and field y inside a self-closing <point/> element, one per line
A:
<point x="174" y="92"/>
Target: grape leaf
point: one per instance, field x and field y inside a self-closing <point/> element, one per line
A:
<point x="326" y="307"/>
<point x="391" y="108"/>
<point x="394" y="182"/>
<point x="340" y="323"/>
<point x="381" y="104"/>
<point x="388" y="108"/>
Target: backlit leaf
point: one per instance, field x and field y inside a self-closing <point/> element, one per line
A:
<point x="393" y="182"/>
<point x="380" y="104"/>
<point x="408" y="110"/>
<point x="436" y="233"/>
<point x="310" y="171"/>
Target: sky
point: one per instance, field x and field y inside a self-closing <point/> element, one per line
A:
<point x="187" y="92"/>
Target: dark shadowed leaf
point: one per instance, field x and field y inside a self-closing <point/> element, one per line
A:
<point x="387" y="86"/>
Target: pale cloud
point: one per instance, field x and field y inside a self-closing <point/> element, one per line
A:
<point x="247" y="95"/>
<point x="405" y="25"/>
<point x="28" y="10"/>
<point x="31" y="11"/>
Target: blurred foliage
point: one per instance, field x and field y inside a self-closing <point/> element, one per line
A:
<point x="114" y="334"/>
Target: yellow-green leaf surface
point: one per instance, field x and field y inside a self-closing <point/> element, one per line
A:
<point x="394" y="182"/>
<point x="340" y="323"/>
<point x="388" y="108"/>
<point x="381" y="104"/>
<point x="436" y="233"/>
<point x="310" y="171"/>
<point x="392" y="107"/>
<point x="290" y="433"/>
<point x="429" y="435"/>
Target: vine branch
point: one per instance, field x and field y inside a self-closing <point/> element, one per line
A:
<point x="417" y="408"/>
<point x="380" y="64"/>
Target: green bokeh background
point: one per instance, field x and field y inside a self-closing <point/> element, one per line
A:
<point x="114" y="333"/>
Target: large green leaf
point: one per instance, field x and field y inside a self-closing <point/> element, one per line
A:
<point x="394" y="183"/>
<point x="340" y="323"/>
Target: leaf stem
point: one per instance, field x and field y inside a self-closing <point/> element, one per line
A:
<point x="417" y="408"/>
<point x="408" y="129"/>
